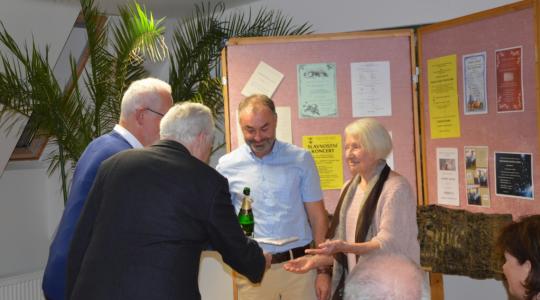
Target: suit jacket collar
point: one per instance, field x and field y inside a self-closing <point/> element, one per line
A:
<point x="127" y="136"/>
<point x="119" y="137"/>
<point x="171" y="145"/>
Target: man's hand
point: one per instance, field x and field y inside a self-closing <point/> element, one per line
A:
<point x="300" y="265"/>
<point x="323" y="284"/>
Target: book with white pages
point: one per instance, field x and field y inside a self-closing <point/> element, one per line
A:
<point x="277" y="242"/>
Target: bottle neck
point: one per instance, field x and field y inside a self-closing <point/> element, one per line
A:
<point x="246" y="203"/>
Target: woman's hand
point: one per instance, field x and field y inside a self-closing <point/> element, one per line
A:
<point x="329" y="248"/>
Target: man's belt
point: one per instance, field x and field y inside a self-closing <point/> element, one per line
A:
<point x="289" y="254"/>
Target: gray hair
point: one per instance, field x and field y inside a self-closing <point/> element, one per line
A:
<point x="385" y="276"/>
<point x="257" y="99"/>
<point x="372" y="135"/>
<point x="141" y="93"/>
<point x="185" y="121"/>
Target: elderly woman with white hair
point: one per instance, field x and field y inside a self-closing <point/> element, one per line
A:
<point x="387" y="276"/>
<point x="376" y="212"/>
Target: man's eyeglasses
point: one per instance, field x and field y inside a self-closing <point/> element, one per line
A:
<point x="156" y="112"/>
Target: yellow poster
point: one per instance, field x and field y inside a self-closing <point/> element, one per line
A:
<point x="327" y="152"/>
<point x="443" y="97"/>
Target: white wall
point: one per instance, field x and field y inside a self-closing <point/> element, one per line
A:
<point x="46" y="23"/>
<point x="23" y="220"/>
<point x="29" y="200"/>
<point x="353" y="15"/>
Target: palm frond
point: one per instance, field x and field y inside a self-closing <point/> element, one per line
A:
<point x="138" y="36"/>
<point x="198" y="40"/>
<point x="15" y="91"/>
<point x="29" y="87"/>
<point x="100" y="61"/>
<point x="151" y="43"/>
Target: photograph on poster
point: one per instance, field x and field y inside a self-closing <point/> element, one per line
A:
<point x="447" y="164"/>
<point x="474" y="84"/>
<point x="481" y="177"/>
<point x="317" y="90"/>
<point x="509" y="79"/>
<point x="473" y="196"/>
<point x="514" y="175"/>
<point x="470" y="158"/>
<point x="476" y="175"/>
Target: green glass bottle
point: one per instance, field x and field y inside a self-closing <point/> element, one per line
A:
<point x="245" y="216"/>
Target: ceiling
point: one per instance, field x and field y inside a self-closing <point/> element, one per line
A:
<point x="160" y="8"/>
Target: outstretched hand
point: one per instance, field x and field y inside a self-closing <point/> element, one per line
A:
<point x="308" y="262"/>
<point x="329" y="248"/>
<point x="300" y="265"/>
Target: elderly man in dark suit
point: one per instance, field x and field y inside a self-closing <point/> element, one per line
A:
<point x="150" y="214"/>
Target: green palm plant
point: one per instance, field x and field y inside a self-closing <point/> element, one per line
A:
<point x="69" y="118"/>
<point x="195" y="73"/>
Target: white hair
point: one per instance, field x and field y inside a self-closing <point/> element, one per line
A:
<point x="384" y="276"/>
<point x="141" y="93"/>
<point x="185" y="121"/>
<point x="372" y="135"/>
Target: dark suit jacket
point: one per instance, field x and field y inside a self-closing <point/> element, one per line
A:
<point x="147" y="218"/>
<point x="54" y="277"/>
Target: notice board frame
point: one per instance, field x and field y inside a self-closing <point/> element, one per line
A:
<point x="512" y="25"/>
<point x="457" y="39"/>
<point x="241" y="56"/>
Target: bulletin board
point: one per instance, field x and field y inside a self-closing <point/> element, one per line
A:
<point x="489" y="140"/>
<point x="285" y="54"/>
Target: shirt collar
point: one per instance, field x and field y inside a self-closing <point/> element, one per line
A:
<point x="130" y="138"/>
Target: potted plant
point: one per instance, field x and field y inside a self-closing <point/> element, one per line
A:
<point x="69" y="117"/>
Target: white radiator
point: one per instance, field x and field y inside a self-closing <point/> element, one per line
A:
<point x="22" y="287"/>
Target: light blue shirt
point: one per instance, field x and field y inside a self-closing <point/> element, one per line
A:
<point x="280" y="182"/>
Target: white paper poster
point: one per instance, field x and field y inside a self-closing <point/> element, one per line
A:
<point x="447" y="176"/>
<point x="264" y="80"/>
<point x="371" y="89"/>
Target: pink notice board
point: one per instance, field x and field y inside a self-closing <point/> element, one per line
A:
<point x="242" y="56"/>
<point x="516" y="131"/>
